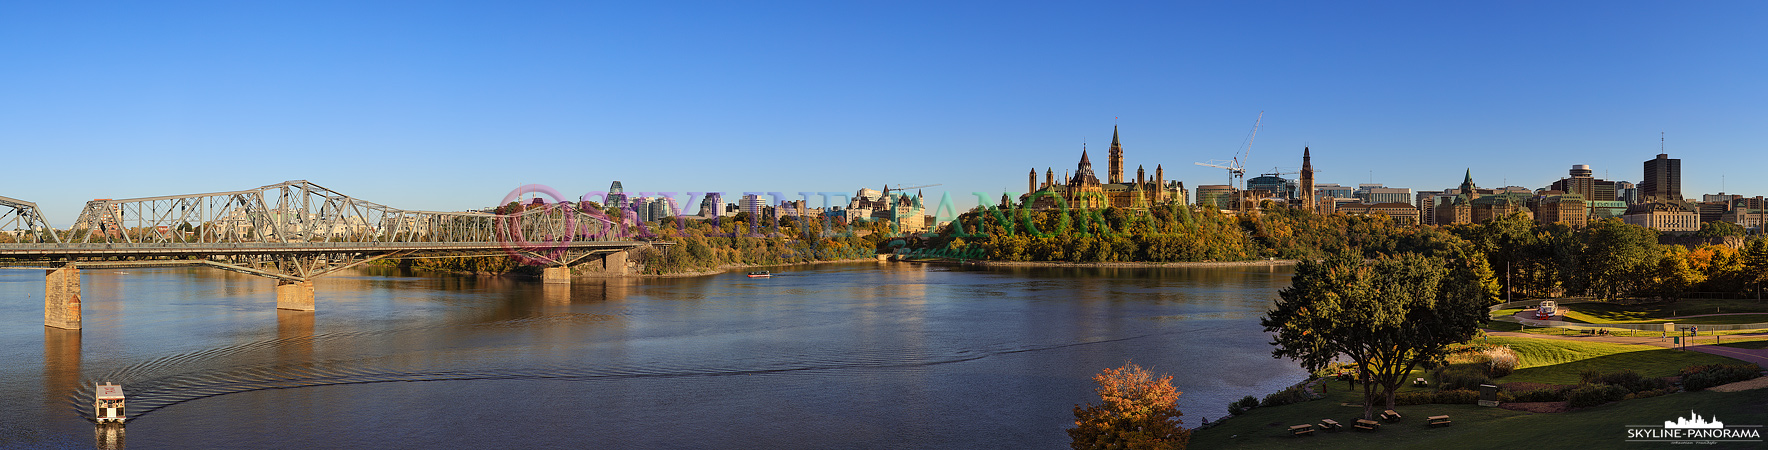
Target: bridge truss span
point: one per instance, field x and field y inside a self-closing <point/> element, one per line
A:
<point x="293" y="232"/>
<point x="23" y="222"/>
<point x="301" y="211"/>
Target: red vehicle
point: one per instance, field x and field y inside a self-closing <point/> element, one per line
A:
<point x="1547" y="310"/>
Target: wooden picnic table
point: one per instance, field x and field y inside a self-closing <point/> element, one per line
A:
<point x="1439" y="420"/>
<point x="1331" y="424"/>
<point x="1298" y="430"/>
<point x="1367" y="424"/>
<point x="1390" y="415"/>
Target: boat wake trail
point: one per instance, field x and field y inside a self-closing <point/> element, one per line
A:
<point x="158" y="383"/>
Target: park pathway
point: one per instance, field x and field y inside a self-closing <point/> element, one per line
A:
<point x="1758" y="356"/>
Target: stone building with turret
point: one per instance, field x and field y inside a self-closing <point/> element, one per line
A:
<point x="1084" y="190"/>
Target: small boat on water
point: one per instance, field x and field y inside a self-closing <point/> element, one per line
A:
<point x="760" y="274"/>
<point x="108" y="403"/>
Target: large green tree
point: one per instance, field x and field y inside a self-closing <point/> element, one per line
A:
<point x="1618" y="258"/>
<point x="1388" y="316"/>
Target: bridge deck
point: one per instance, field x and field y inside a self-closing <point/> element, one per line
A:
<point x="41" y="251"/>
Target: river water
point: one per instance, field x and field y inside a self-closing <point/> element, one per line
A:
<point x="861" y="355"/>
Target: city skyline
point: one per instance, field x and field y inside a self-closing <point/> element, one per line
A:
<point x="452" y="107"/>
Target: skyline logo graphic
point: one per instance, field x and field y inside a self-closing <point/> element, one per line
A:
<point x="1694" y="429"/>
<point x="1693" y="421"/>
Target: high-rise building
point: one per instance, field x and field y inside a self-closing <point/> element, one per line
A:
<point x="616" y="196"/>
<point x="1663" y="180"/>
<point x="709" y="205"/>
<point x="1218" y="196"/>
<point x="753" y="205"/>
<point x="1584" y="184"/>
<point x="1278" y="186"/>
<point x="661" y="208"/>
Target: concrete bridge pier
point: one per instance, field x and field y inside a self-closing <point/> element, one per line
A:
<point x="61" y="298"/>
<point x="556" y="275"/>
<point x="294" y="295"/>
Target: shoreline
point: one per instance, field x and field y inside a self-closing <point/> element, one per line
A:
<point x="1181" y="264"/>
<point x="725" y="268"/>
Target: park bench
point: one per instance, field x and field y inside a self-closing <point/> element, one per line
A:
<point x="1420" y="382"/>
<point x="1390" y="416"/>
<point x="1366" y="424"/>
<point x="1298" y="430"/>
<point x="1330" y="424"/>
<point x="1439" y="421"/>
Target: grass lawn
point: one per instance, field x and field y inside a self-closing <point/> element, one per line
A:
<point x="1503" y="326"/>
<point x="1599" y="312"/>
<point x="1478" y="427"/>
<point x="1704" y="337"/>
<point x="1559" y="361"/>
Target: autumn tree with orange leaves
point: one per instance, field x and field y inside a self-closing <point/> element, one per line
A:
<point x="1139" y="412"/>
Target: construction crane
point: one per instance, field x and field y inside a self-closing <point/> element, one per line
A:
<point x="1236" y="165"/>
<point x="887" y="188"/>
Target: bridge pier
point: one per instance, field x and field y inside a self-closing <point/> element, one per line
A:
<point x="615" y="263"/>
<point x="294" y="295"/>
<point x="61" y="298"/>
<point x="556" y="275"/>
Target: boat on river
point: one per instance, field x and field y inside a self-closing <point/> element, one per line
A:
<point x="760" y="274"/>
<point x="107" y="404"/>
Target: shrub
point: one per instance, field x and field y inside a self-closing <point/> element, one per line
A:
<point x="1539" y="395"/>
<point x="1468" y="354"/>
<point x="1625" y="378"/>
<point x="1461" y="377"/>
<point x="1457" y="397"/>
<point x="1285" y="397"/>
<point x="1234" y="409"/>
<point x="1502" y="361"/>
<point x="1594" y="394"/>
<point x="1454" y="397"/>
<point x="1713" y="375"/>
<point x="1650" y="393"/>
<point x="1248" y="402"/>
<point x="1413" y="398"/>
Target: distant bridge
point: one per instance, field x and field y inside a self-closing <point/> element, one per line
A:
<point x="292" y="232"/>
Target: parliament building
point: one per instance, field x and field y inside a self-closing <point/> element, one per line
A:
<point x="1083" y="189"/>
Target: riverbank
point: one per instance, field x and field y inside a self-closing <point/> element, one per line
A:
<point x="1186" y="264"/>
<point x="725" y="268"/>
<point x="1545" y="361"/>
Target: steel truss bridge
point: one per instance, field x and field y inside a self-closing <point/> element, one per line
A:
<point x="292" y="232"/>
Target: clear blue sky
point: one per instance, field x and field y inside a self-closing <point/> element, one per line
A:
<point x="449" y="106"/>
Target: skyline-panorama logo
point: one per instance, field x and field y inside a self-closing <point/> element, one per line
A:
<point x="1694" y="429"/>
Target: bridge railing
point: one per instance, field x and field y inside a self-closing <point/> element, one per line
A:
<point x="300" y="211"/>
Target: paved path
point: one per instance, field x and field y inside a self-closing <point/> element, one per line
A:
<point x="1758" y="357"/>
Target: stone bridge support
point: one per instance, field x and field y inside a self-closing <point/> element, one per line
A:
<point x="608" y="265"/>
<point x="556" y="275"/>
<point x="61" y="298"/>
<point x="294" y="295"/>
